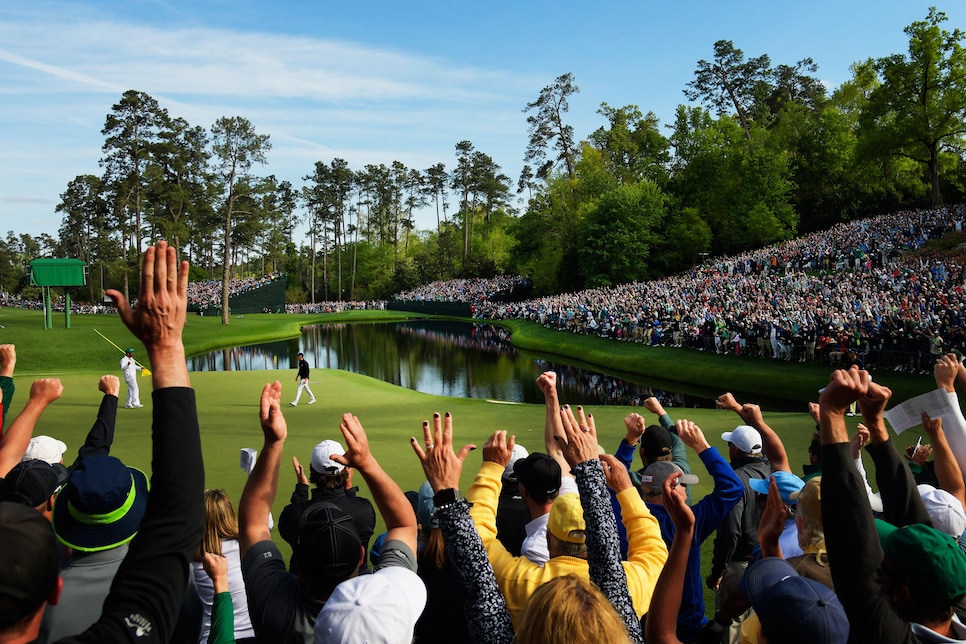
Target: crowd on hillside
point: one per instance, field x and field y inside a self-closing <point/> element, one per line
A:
<point x="475" y="290"/>
<point x="559" y="540"/>
<point x="818" y="297"/>
<point x="207" y="293"/>
<point x="336" y="307"/>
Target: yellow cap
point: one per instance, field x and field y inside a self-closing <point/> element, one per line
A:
<point x="566" y="520"/>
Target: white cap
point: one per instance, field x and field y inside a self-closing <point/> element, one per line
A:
<point x="519" y="451"/>
<point x="745" y="438"/>
<point x="945" y="510"/>
<point x="381" y="608"/>
<point x="45" y="448"/>
<point x="322" y="457"/>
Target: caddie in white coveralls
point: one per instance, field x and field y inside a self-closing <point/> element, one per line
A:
<point x="130" y="370"/>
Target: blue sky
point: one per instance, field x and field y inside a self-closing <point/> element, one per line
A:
<point x="375" y="81"/>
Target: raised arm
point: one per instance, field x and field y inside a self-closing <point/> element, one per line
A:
<point x="947" y="371"/>
<point x="603" y="546"/>
<point x="661" y="627"/>
<point x="101" y="435"/>
<point x="395" y="508"/>
<point x="8" y="361"/>
<point x="148" y="589"/>
<point x="14" y="442"/>
<point x="262" y="486"/>
<point x="947" y="469"/>
<point x="553" y="431"/>
<point x="487" y="617"/>
<point x="772" y="445"/>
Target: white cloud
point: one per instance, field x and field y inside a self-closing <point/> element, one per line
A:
<point x="60" y="73"/>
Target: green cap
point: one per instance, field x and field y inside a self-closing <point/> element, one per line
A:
<point x="129" y="350"/>
<point x="931" y="562"/>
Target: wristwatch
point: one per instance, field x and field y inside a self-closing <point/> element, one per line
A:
<point x="446" y="497"/>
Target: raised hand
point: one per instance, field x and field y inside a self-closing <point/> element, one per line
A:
<point x="300" y="476"/>
<point x="357" y="453"/>
<point x="547" y="381"/>
<point x="441" y="464"/>
<point x="270" y="413"/>
<point x="498" y="449"/>
<point x="109" y="385"/>
<point x="635" y="428"/>
<point x="8" y="359"/>
<point x="727" y="401"/>
<point x="616" y="475"/>
<point x="772" y="521"/>
<point x="162" y="301"/>
<point x="692" y="436"/>
<point x="675" y="503"/>
<point x="845" y="387"/>
<point x="581" y="436"/>
<point x="46" y="390"/>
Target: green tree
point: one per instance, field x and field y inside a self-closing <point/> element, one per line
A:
<point x="919" y="110"/>
<point x="632" y="145"/>
<point x="132" y="128"/>
<point x="179" y="187"/>
<point x="435" y="188"/>
<point x="729" y="82"/>
<point x="236" y="148"/>
<point x="546" y="127"/>
<point x="617" y="235"/>
<point x="85" y="231"/>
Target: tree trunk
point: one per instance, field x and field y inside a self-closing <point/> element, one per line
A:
<point x="934" y="175"/>
<point x="226" y="269"/>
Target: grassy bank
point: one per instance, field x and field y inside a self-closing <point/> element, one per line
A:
<point x="769" y="382"/>
<point x="79" y="349"/>
<point x="227" y="401"/>
<point x="228" y="412"/>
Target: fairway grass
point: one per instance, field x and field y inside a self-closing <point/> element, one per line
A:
<point x="228" y="401"/>
<point x="228" y="414"/>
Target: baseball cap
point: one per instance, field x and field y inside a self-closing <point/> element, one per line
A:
<point x="792" y="608"/>
<point x="32" y="482"/>
<point x="566" y="521"/>
<point x="656" y="473"/>
<point x="539" y="473"/>
<point x="745" y="438"/>
<point x="46" y="449"/>
<point x="788" y="484"/>
<point x="655" y="442"/>
<point x="129" y="350"/>
<point x="519" y="451"/>
<point x="945" y="510"/>
<point x="328" y="545"/>
<point x="101" y="506"/>
<point x="931" y="563"/>
<point x="380" y="608"/>
<point x="322" y="457"/>
<point x="425" y="507"/>
<point x="28" y="559"/>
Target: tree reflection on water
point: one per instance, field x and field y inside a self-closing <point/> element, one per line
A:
<point x="439" y="357"/>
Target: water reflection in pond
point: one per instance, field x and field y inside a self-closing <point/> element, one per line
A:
<point x="438" y="357"/>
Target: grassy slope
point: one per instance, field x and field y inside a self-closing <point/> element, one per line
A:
<point x="228" y="401"/>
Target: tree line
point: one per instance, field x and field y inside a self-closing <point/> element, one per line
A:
<point x="761" y="154"/>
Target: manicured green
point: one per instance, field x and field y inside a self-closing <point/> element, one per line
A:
<point x="228" y="401"/>
<point x="78" y="349"/>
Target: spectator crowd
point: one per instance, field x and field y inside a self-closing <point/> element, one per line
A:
<point x="566" y="540"/>
<point x="853" y="287"/>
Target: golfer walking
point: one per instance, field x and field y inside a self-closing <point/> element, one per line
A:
<point x="303" y="378"/>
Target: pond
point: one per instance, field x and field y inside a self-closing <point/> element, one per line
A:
<point x="440" y="357"/>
